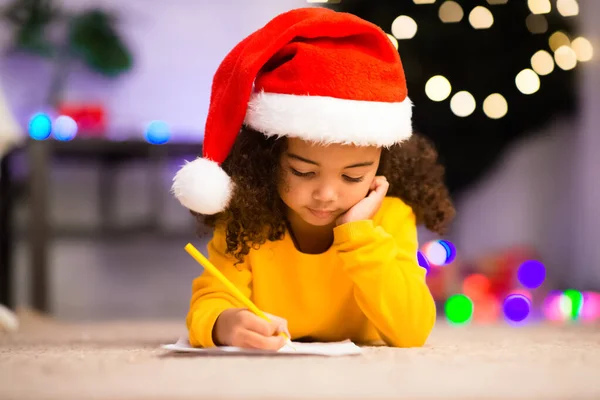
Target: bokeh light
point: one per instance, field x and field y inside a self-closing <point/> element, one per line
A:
<point x="450" y="12"/>
<point x="527" y="81"/>
<point x="539" y="6"/>
<point x="463" y="104"/>
<point x="573" y="306"/>
<point x="531" y="274"/>
<point x="495" y="106"/>
<point x="552" y="309"/>
<point x="64" y="128"/>
<point x="558" y="39"/>
<point x="40" y="126"/>
<point x="438" y="88"/>
<point x="481" y="18"/>
<point x="536" y="23"/>
<point x="565" y="58"/>
<point x="583" y="49"/>
<point x="476" y="286"/>
<point x="423" y="262"/>
<point x="590" y="312"/>
<point x="435" y="252"/>
<point x="542" y="62"/>
<point x="567" y="8"/>
<point x="404" y="27"/>
<point x="459" y="309"/>
<point x="439" y="252"/>
<point x="157" y="132"/>
<point x="450" y="250"/>
<point x="393" y="40"/>
<point x="516" y="307"/>
<point x="486" y="309"/>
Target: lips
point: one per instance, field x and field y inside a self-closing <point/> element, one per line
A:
<point x="323" y="214"/>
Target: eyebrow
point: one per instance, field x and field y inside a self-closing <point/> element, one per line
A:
<point x="306" y="160"/>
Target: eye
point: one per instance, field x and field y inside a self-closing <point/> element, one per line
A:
<point x="352" y="180"/>
<point x="301" y="174"/>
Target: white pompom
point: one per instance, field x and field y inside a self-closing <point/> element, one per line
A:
<point x="202" y="186"/>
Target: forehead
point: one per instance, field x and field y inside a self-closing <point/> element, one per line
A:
<point x="333" y="154"/>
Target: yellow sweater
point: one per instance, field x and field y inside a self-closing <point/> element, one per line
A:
<point x="367" y="287"/>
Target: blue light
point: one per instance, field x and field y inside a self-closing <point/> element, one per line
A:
<point x="450" y="251"/>
<point x="65" y="128"/>
<point x="423" y="262"/>
<point x="531" y="274"/>
<point x="516" y="307"/>
<point x="157" y="132"/>
<point x="40" y="126"/>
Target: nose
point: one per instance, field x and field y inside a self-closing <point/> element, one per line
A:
<point x="325" y="193"/>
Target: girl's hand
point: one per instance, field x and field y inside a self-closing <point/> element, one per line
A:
<point x="367" y="207"/>
<point x="242" y="328"/>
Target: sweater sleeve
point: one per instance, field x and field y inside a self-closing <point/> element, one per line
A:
<point x="390" y="287"/>
<point x="209" y="297"/>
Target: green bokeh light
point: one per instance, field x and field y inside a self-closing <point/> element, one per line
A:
<point x="459" y="309"/>
<point x="573" y="310"/>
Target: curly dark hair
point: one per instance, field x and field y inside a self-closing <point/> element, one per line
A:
<point x="256" y="213"/>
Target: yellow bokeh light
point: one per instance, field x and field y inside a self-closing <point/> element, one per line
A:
<point x="462" y="104"/>
<point x="423" y="1"/>
<point x="539" y="6"/>
<point x="481" y="18"/>
<point x="438" y="88"/>
<point x="583" y="49"/>
<point x="536" y="23"/>
<point x="558" y="39"/>
<point x="527" y="81"/>
<point x="495" y="106"/>
<point x="542" y="62"/>
<point x="404" y="27"/>
<point x="567" y="8"/>
<point x="393" y="40"/>
<point x="450" y="11"/>
<point x="565" y="58"/>
<point x="495" y="2"/>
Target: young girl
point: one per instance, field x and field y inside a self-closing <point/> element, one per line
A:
<point x="314" y="185"/>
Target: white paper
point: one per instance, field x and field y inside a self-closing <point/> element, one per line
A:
<point x="332" y="349"/>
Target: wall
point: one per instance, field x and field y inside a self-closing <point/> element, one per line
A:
<point x="586" y="174"/>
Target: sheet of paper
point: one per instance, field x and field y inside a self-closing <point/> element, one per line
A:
<point x="344" y="348"/>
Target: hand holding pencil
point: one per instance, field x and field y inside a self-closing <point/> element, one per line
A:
<point x="243" y="327"/>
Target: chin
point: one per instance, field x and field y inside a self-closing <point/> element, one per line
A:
<point x="318" y="222"/>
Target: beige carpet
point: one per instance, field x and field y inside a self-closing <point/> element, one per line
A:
<point x="50" y="360"/>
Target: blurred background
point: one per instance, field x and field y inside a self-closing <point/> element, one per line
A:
<point x="101" y="101"/>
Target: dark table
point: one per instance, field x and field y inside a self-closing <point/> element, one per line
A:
<point x="40" y="155"/>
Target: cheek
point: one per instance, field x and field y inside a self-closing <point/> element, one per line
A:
<point x="290" y="190"/>
<point x="355" y="193"/>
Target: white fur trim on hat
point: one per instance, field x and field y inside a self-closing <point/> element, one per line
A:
<point x="330" y="120"/>
<point x="202" y="186"/>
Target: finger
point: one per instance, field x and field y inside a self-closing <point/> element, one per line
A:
<point x="382" y="185"/>
<point x="254" y="340"/>
<point x="259" y="325"/>
<point x="282" y="324"/>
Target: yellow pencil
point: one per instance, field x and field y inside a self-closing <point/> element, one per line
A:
<point x="234" y="290"/>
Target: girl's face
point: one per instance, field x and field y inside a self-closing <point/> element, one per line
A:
<point x="319" y="183"/>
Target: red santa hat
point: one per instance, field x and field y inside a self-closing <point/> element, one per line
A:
<point x="310" y="73"/>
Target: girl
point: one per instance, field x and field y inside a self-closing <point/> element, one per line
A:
<point x="314" y="185"/>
